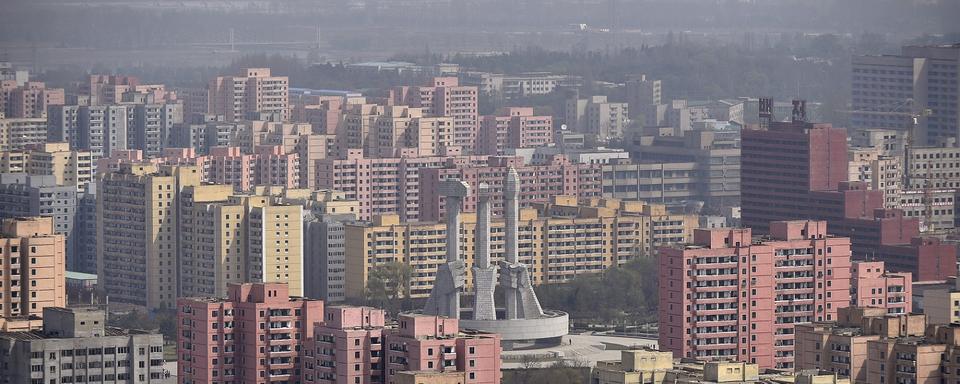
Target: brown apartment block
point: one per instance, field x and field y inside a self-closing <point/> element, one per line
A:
<point x="33" y="268"/>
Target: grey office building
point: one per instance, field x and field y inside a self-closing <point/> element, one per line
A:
<point x="918" y="85"/>
<point x="23" y="195"/>
<point x="75" y="346"/>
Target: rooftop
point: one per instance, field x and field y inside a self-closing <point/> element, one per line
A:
<point x="39" y="335"/>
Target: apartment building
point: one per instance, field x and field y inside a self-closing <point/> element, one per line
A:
<point x="19" y="133"/>
<point x="872" y="286"/>
<point x="137" y="238"/>
<point x="75" y="346"/>
<point x="879" y="348"/>
<point x="877" y="171"/>
<point x="555" y="176"/>
<point x="256" y="334"/>
<point x="597" y="117"/>
<point x="560" y="240"/>
<point x="23" y="195"/>
<point x="68" y="167"/>
<point x="253" y="91"/>
<point x="643" y="92"/>
<point x="33" y="257"/>
<point x="325" y="213"/>
<point x="444" y="96"/>
<point x="513" y="128"/>
<point x="798" y="274"/>
<point x="347" y="347"/>
<point x="29" y="100"/>
<point x="100" y="129"/>
<point x="432" y="343"/>
<point x="356" y="345"/>
<point x="383" y="186"/>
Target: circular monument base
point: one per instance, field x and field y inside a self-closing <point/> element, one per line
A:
<point x="520" y="334"/>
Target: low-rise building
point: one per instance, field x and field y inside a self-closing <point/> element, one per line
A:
<point x="872" y="286"/>
<point x="76" y="346"/>
<point x="647" y="366"/>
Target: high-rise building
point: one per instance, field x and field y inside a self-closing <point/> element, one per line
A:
<point x="33" y="258"/>
<point x="782" y="164"/>
<point x="729" y="295"/>
<point x="85" y="242"/>
<point x="76" y="345"/>
<point x="227" y="238"/>
<point x="137" y="237"/>
<point x="406" y="131"/>
<point x="642" y="93"/>
<point x="513" y="128"/>
<point x="253" y="91"/>
<point x="877" y="171"/>
<point x="256" y="334"/>
<point x="29" y="100"/>
<point x="23" y="195"/>
<point x="798" y="170"/>
<point x="444" y="96"/>
<point x="597" y="117"/>
<point x="100" y="129"/>
<point x="914" y="91"/>
<point x="325" y="214"/>
<point x="355" y="345"/>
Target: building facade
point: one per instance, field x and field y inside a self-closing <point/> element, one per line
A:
<point x="76" y="346"/>
<point x="797" y="275"/>
<point x="33" y="258"/>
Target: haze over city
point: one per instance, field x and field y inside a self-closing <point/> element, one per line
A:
<point x="479" y="191"/>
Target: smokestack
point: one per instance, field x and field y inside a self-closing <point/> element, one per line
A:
<point x="483" y="226"/>
<point x="511" y="190"/>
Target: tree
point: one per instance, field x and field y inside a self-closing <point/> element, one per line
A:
<point x="388" y="283"/>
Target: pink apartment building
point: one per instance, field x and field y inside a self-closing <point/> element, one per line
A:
<point x="446" y="97"/>
<point x="730" y="295"/>
<point x="513" y="128"/>
<point x="223" y="165"/>
<point x="347" y="347"/>
<point x="30" y="100"/>
<point x="255" y="335"/>
<point x="383" y="186"/>
<point x="539" y="182"/>
<point x="229" y="165"/>
<point x="274" y="167"/>
<point x="431" y="343"/>
<point x="873" y="287"/>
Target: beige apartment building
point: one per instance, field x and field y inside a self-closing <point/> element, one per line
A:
<point x="559" y="240"/>
<point x="137" y="232"/>
<point x="69" y="167"/>
<point x="33" y="268"/>
<point x="237" y="238"/>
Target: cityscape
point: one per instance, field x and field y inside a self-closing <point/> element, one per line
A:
<point x="480" y="192"/>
